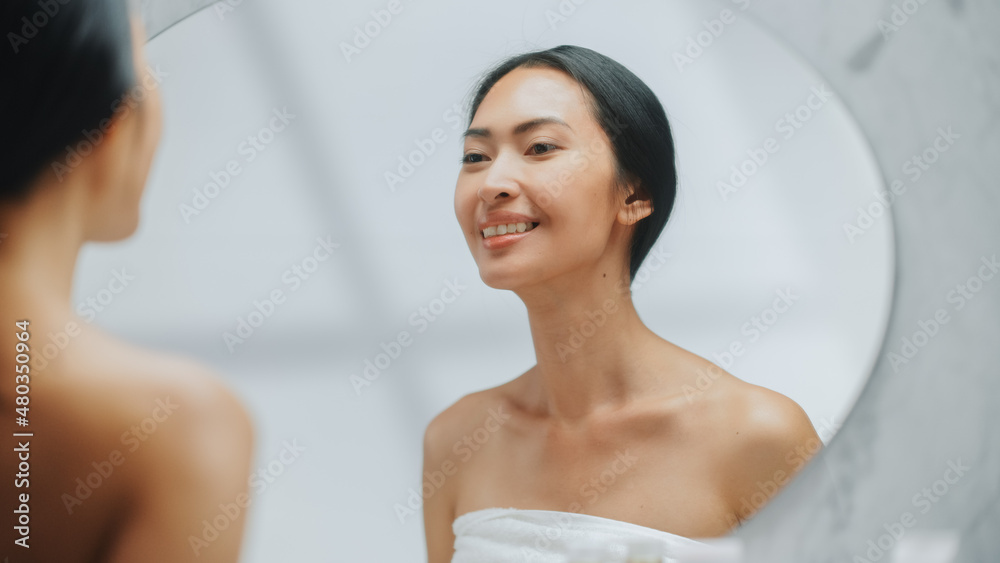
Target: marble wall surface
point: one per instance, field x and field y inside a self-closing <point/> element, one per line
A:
<point x="937" y="68"/>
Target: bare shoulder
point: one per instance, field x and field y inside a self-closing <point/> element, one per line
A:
<point x="741" y="413"/>
<point x="764" y="437"/>
<point x="766" y="420"/>
<point x="138" y="444"/>
<point x="446" y="448"/>
<point x="487" y="407"/>
<point x="164" y="405"/>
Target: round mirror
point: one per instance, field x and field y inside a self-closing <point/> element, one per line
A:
<point x="299" y="233"/>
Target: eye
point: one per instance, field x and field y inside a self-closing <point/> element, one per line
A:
<point x="541" y="148"/>
<point x="473" y="158"/>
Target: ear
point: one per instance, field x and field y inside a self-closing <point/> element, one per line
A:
<point x="634" y="209"/>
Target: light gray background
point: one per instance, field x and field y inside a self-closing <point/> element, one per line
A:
<point x="897" y="441"/>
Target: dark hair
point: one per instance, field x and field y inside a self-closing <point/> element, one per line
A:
<point x="65" y="64"/>
<point x="633" y="119"/>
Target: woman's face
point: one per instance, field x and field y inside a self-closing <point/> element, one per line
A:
<point x="535" y="155"/>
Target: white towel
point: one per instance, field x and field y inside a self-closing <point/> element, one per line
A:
<point x="505" y="535"/>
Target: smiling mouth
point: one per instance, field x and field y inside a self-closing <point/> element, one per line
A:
<point x="510" y="228"/>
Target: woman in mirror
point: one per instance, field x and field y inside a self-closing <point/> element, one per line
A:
<point x="566" y="181"/>
<point x="112" y="453"/>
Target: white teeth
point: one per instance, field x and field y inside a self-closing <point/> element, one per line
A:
<point x="507" y="229"/>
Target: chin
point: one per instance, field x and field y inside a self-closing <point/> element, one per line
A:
<point x="496" y="283"/>
<point x="503" y="278"/>
<point x="118" y="231"/>
<point x="128" y="232"/>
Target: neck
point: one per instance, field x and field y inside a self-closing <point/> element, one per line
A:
<point x="590" y="345"/>
<point x="43" y="237"/>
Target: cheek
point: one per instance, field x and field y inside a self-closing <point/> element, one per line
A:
<point x="574" y="191"/>
<point x="465" y="203"/>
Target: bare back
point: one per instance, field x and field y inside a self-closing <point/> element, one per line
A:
<point x="130" y="451"/>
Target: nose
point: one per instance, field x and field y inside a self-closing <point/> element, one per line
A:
<point x="502" y="180"/>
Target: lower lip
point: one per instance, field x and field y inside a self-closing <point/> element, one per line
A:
<point x="503" y="241"/>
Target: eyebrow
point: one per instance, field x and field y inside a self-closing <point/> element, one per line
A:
<point x="519" y="129"/>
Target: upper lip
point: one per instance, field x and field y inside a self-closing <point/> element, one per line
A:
<point x="503" y="218"/>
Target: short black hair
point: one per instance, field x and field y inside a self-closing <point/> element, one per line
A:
<point x="633" y="119"/>
<point x="64" y="64"/>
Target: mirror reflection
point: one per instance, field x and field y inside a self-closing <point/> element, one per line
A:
<point x="317" y="228"/>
